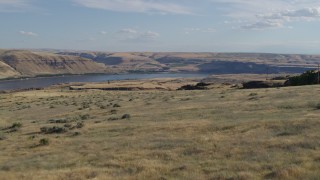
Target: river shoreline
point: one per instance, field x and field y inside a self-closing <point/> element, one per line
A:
<point x="43" y="82"/>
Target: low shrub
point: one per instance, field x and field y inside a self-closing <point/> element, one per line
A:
<point x="16" y="125"/>
<point x="80" y="125"/>
<point x="103" y="107"/>
<point x="126" y="116"/>
<point x="58" y="121"/>
<point x="84" y="116"/>
<point x="53" y="130"/>
<point x="43" y="142"/>
<point x="85" y="105"/>
<point x="253" y="94"/>
<point x="76" y="134"/>
<point x="68" y="125"/>
<point x="113" y="111"/>
<point x="113" y="119"/>
<point x="2" y="137"/>
<point x="13" y="128"/>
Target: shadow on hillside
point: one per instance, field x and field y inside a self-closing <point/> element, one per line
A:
<point x="108" y="60"/>
<point x="226" y="67"/>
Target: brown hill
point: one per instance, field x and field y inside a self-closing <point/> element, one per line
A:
<point x="7" y="71"/>
<point x="122" y="61"/>
<point x="219" y="63"/>
<point x="16" y="63"/>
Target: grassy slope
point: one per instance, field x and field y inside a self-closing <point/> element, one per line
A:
<point x="7" y="71"/>
<point x="136" y="62"/>
<point x="221" y="133"/>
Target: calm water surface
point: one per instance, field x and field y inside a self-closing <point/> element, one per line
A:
<point x="42" y="82"/>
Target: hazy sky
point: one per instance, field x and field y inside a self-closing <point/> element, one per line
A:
<point x="281" y="26"/>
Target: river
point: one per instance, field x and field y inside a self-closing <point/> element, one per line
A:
<point x="42" y="82"/>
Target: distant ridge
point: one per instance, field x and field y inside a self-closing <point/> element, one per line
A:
<point x="219" y="63"/>
<point x="29" y="63"/>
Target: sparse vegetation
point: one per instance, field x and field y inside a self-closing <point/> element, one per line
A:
<point x="126" y="116"/>
<point x="76" y="134"/>
<point x="16" y="125"/>
<point x="84" y="116"/>
<point x="52" y="130"/>
<point x="2" y="137"/>
<point x="113" y="119"/>
<point x="44" y="142"/>
<point x="13" y="128"/>
<point x="247" y="134"/>
<point x="58" y="121"/>
<point x="80" y="125"/>
<point x="253" y="94"/>
<point x="113" y="111"/>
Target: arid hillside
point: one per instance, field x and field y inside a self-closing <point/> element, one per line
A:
<point x="124" y="62"/>
<point x="7" y="71"/>
<point x="218" y="63"/>
<point x="18" y="63"/>
<point x="24" y="63"/>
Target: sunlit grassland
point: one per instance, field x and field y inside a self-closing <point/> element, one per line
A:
<point x="223" y="133"/>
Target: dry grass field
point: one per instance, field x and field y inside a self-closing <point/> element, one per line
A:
<point x="221" y="133"/>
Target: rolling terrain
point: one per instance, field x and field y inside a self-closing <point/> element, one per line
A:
<point x="26" y="63"/>
<point x="130" y="62"/>
<point x="219" y="133"/>
<point x="217" y="63"/>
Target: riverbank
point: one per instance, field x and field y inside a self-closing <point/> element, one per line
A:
<point x="43" y="82"/>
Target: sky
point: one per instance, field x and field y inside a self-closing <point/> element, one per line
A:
<point x="273" y="26"/>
